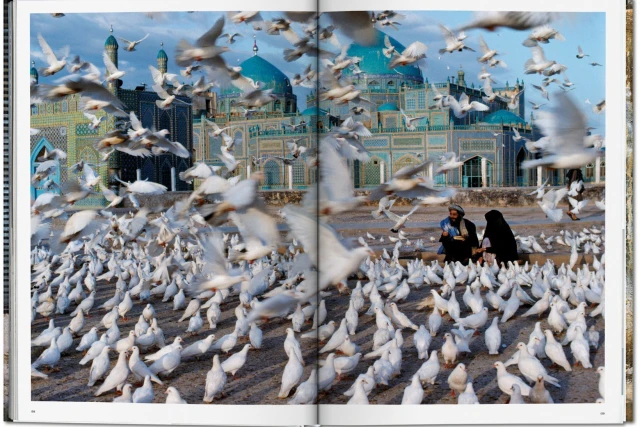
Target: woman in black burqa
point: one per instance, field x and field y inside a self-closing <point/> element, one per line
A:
<point x="498" y="239"/>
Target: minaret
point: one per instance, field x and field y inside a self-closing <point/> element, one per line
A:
<point x="162" y="59"/>
<point x="461" y="81"/>
<point x="111" y="47"/>
<point x="34" y="73"/>
<point x="255" y="46"/>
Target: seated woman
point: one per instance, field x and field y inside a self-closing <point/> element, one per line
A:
<point x="498" y="242"/>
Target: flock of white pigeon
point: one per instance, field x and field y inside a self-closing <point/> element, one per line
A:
<point x="154" y="260"/>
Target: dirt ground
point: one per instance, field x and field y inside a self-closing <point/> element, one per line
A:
<point x="258" y="382"/>
<point x="578" y="386"/>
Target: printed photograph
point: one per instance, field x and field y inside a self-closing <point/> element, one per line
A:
<point x="482" y="137"/>
<point x="366" y="207"/>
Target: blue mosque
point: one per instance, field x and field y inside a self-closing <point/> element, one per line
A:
<point x="480" y="139"/>
<point x="62" y="125"/>
<point x="484" y="141"/>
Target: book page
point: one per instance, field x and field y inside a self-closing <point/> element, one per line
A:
<point x="164" y="140"/>
<point x="481" y="145"/>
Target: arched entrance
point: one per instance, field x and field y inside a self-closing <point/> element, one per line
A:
<point x="372" y="172"/>
<point x="42" y="148"/>
<point x="165" y="174"/>
<point x="521" y="174"/>
<point x="357" y="167"/>
<point x="272" y="174"/>
<point x="472" y="172"/>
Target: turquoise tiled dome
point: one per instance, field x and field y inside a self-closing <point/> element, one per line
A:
<point x="374" y="61"/>
<point x="162" y="55"/>
<point x="503" y="116"/>
<point x="388" y="107"/>
<point x="111" y="42"/>
<point x="261" y="70"/>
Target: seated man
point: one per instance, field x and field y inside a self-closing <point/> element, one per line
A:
<point x="459" y="239"/>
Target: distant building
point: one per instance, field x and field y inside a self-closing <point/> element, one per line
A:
<point x="261" y="136"/>
<point x="479" y="137"/>
<point x="63" y="126"/>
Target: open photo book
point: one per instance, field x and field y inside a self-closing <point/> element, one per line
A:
<point x="316" y="213"/>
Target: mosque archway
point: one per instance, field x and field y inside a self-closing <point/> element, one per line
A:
<point x="42" y="148"/>
<point x="147" y="171"/>
<point x="357" y="168"/>
<point x="165" y="174"/>
<point x="406" y="160"/>
<point x="180" y="184"/>
<point x="372" y="172"/>
<point x="272" y="174"/>
<point x="521" y="173"/>
<point x="299" y="173"/>
<point x="472" y="172"/>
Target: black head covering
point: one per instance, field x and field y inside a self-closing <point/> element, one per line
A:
<point x="500" y="236"/>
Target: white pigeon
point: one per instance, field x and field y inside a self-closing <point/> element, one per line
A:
<point x="127" y="395"/>
<point x="144" y="394"/>
<point x="215" y="382"/>
<point x="507" y="380"/>
<point x="49" y="357"/>
<point x="138" y="368"/>
<point x="449" y="350"/>
<point x="468" y="396"/>
<point x="54" y="63"/>
<point x="255" y="336"/>
<point x="580" y="349"/>
<point x="168" y="362"/>
<point x="493" y="337"/>
<point x="429" y="370"/>
<point x="413" y="393"/>
<point x="291" y="376"/>
<point x="435" y="321"/>
<point x="531" y="367"/>
<point x="173" y="397"/>
<point x="117" y="377"/>
<point x="564" y="124"/>
<point x="306" y="392"/>
<point x="99" y="366"/>
<point x="554" y="351"/>
<point x="422" y="341"/>
<point x="236" y="360"/>
<point x="359" y="396"/>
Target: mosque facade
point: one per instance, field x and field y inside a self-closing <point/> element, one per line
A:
<point x="483" y="141"/>
<point x="63" y="126"/>
<point x="262" y="136"/>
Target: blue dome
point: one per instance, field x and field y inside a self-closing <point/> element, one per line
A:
<point x="388" y="107"/>
<point x="162" y="55"/>
<point x="261" y="70"/>
<point x="33" y="72"/>
<point x="374" y="61"/>
<point x="111" y="42"/>
<point x="503" y="116"/>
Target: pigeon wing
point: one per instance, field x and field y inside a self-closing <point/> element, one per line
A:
<point x="111" y="68"/>
<point x="46" y="50"/>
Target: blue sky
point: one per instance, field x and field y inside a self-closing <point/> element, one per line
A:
<point x="85" y="35"/>
<point x="584" y="29"/>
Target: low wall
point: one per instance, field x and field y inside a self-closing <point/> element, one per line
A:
<point x="502" y="196"/>
<point x="478" y="197"/>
